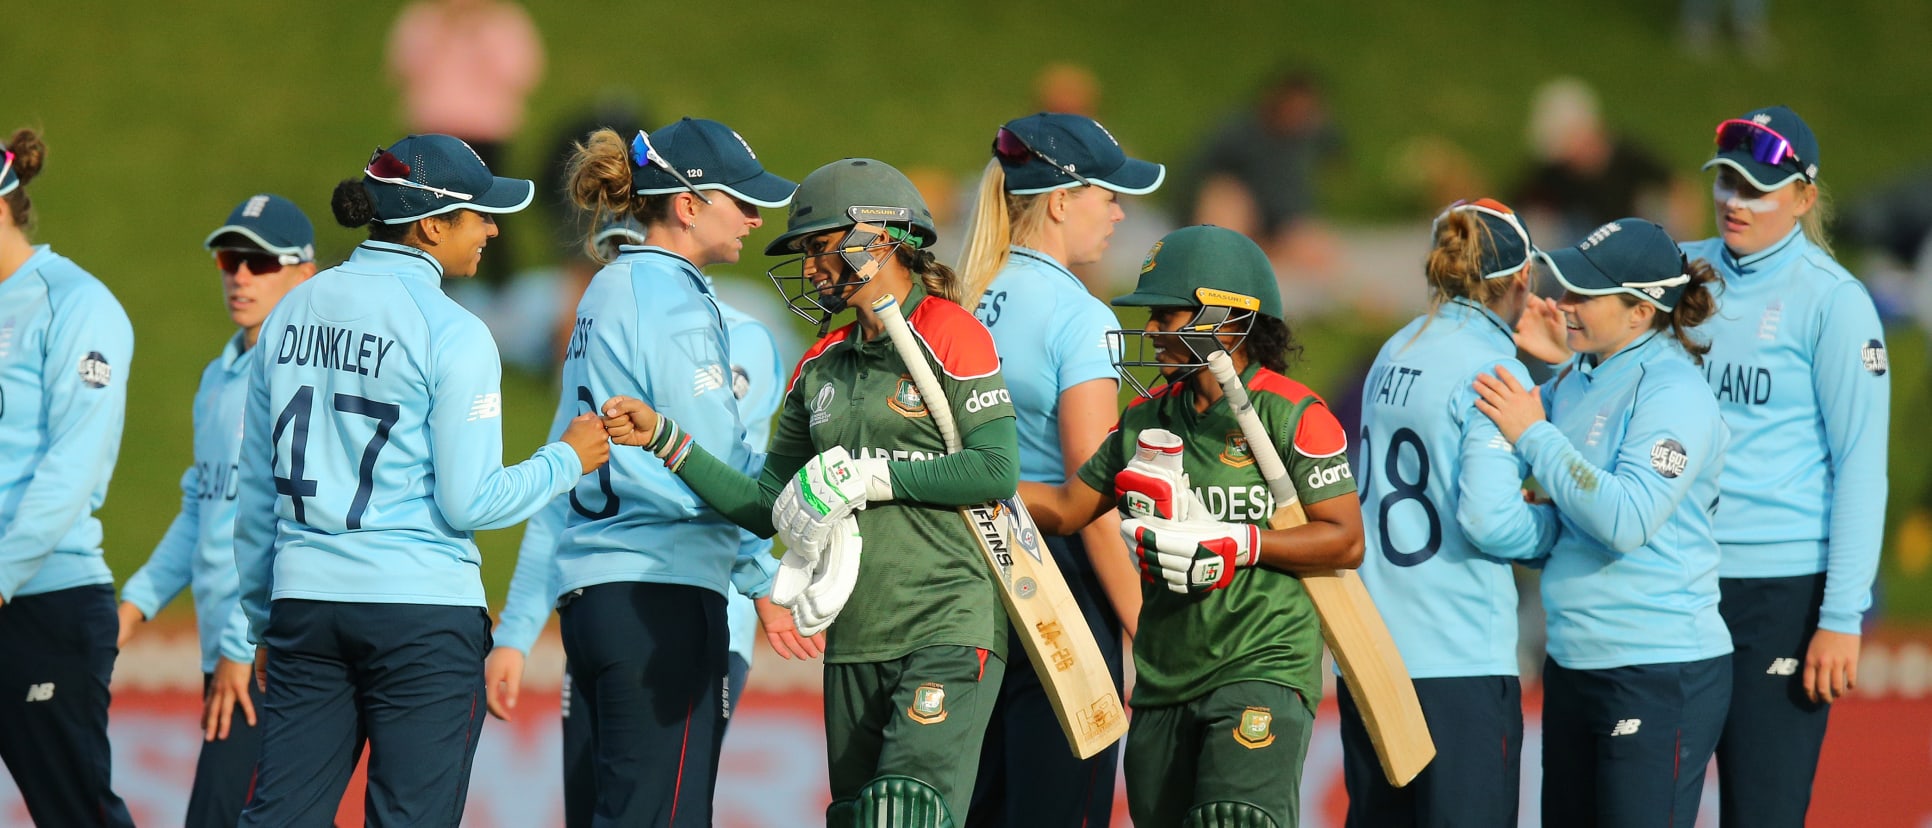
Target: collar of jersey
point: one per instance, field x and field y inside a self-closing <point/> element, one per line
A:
<point x="1463" y="309"/>
<point x="913" y="298"/>
<point x="1048" y="262"/>
<point x="232" y="353"/>
<point x="1621" y="362"/>
<point x="396" y="259"/>
<point x="642" y="250"/>
<point x="1770" y="258"/>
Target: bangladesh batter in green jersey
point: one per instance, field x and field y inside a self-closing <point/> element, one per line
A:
<point x="1228" y="658"/>
<point x="915" y="656"/>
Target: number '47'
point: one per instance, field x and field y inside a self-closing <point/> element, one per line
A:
<point x="297" y="413"/>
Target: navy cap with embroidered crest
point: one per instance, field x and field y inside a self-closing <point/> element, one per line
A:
<point x="427" y="175"/>
<point x="1506" y="246"/>
<point x="700" y="155"/>
<point x="1771" y="147"/>
<point x="269" y="222"/>
<point x="1054" y="150"/>
<point x="1628" y="255"/>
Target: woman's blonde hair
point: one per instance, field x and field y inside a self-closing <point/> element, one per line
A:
<point x="1000" y="220"/>
<point x="598" y="178"/>
<point x="1816" y="219"/>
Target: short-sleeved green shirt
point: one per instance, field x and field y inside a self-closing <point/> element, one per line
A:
<point x="1261" y="627"/>
<point x="922" y="579"/>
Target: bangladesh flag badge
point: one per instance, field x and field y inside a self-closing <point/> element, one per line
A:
<point x="1235" y="453"/>
<point x="906" y="399"/>
<point x="928" y="703"/>
<point x="1256" y="729"/>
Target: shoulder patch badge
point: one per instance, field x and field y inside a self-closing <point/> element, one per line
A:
<point x="1873" y="356"/>
<point x="906" y="399"/>
<point x="94" y="370"/>
<point x="1235" y="453"/>
<point x="1256" y="730"/>
<point x="928" y="703"/>
<point x="1668" y="457"/>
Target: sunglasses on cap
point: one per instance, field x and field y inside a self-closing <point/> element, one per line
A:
<point x="1764" y="143"/>
<point x="259" y="262"/>
<point x="644" y="155"/>
<point x="1010" y="148"/>
<point x="6" y="165"/>
<point x="385" y="167"/>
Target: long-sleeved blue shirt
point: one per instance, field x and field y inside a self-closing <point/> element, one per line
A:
<point x="373" y="443"/>
<point x="199" y="547"/>
<point x="65" y="346"/>
<point x="1442" y="506"/>
<point x="1799" y="368"/>
<point x="754" y="383"/>
<point x="1052" y="335"/>
<point x="1631" y="455"/>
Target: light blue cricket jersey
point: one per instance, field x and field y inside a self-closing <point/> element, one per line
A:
<point x="1052" y="335"/>
<point x="373" y="443"/>
<point x="1799" y="368"/>
<point x="199" y="547"/>
<point x="1631" y="455"/>
<point x="756" y="386"/>
<point x="649" y="327"/>
<point x="1442" y="504"/>
<point x="65" y="345"/>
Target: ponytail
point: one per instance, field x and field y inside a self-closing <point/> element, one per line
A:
<point x="1693" y="307"/>
<point x="29" y="156"/>
<point x="1816" y="219"/>
<point x="1455" y="264"/>
<point x="598" y="179"/>
<point x="353" y="209"/>
<point x="937" y="279"/>
<point x="1000" y="220"/>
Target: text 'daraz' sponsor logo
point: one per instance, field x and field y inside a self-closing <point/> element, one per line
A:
<point x="987" y="399"/>
<point x="1329" y="476"/>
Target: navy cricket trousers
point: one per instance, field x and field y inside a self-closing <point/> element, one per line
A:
<point x="406" y="679"/>
<point x="225" y="770"/>
<point x="1626" y="747"/>
<point x="1477" y="725"/>
<point x="1768" y="755"/>
<point x="56" y="657"/>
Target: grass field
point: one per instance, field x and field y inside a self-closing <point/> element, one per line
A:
<point x="161" y="116"/>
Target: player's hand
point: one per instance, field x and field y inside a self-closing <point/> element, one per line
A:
<point x="586" y="436"/>
<point x="629" y="421"/>
<point x="228" y="688"/>
<point x="261" y="668"/>
<point x="825" y="490"/>
<point x="1153" y="484"/>
<point x="131" y="619"/>
<point x="502" y="681"/>
<point x="1191" y="556"/>
<point x="1506" y="403"/>
<point x="1831" y="666"/>
<point x="781" y="632"/>
<point x="1541" y="332"/>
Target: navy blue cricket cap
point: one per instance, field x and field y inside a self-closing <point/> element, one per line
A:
<point x="270" y="222"/>
<point x="712" y="157"/>
<point x="1506" y="247"/>
<point x="428" y="175"/>
<point x="1056" y="150"/>
<point x="1628" y="255"/>
<point x="1754" y="145"/>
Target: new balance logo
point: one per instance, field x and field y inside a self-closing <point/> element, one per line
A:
<point x="40" y="692"/>
<point x="1783" y="667"/>
<point x="708" y="378"/>
<point x="485" y="406"/>
<point x="1626" y="727"/>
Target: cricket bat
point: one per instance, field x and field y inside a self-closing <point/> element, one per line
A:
<point x="1037" y="600"/>
<point x="1353" y="629"/>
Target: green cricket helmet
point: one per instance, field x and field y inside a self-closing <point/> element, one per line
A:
<point x="880" y="209"/>
<point x="1219" y="273"/>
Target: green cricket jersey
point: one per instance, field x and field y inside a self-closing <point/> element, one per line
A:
<point x="922" y="580"/>
<point x="1262" y="627"/>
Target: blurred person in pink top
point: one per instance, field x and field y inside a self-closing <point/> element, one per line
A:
<point x="464" y="68"/>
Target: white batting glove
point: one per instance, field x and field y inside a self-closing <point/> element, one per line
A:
<point x="832" y="583"/>
<point x="829" y="487"/>
<point x="1191" y="556"/>
<point x="1153" y="484"/>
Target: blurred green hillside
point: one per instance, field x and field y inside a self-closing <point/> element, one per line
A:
<point x="161" y="116"/>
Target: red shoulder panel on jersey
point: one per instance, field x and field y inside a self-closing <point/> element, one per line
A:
<point x="817" y="348"/>
<point x="963" y="346"/>
<point x="1318" y="434"/>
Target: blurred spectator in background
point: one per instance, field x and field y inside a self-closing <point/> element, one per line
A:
<point x="1067" y="87"/>
<point x="614" y="107"/>
<point x="1584" y="176"/>
<point x="1698" y="32"/>
<point x="464" y="68"/>
<point x="1893" y="225"/>
<point x="1258" y="173"/>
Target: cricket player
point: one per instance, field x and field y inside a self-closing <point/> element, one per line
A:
<point x="264" y="249"/>
<point x="1228" y="658"/>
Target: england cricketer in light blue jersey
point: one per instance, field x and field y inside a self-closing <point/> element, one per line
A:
<point x="372" y="451"/>
<point x="65" y="346"/>
<point x="1627" y="440"/>
<point x="266" y="247"/>
<point x="1442" y="518"/>
<point x="1798" y="364"/>
<point x="1036" y="220"/>
<point x="642" y="564"/>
